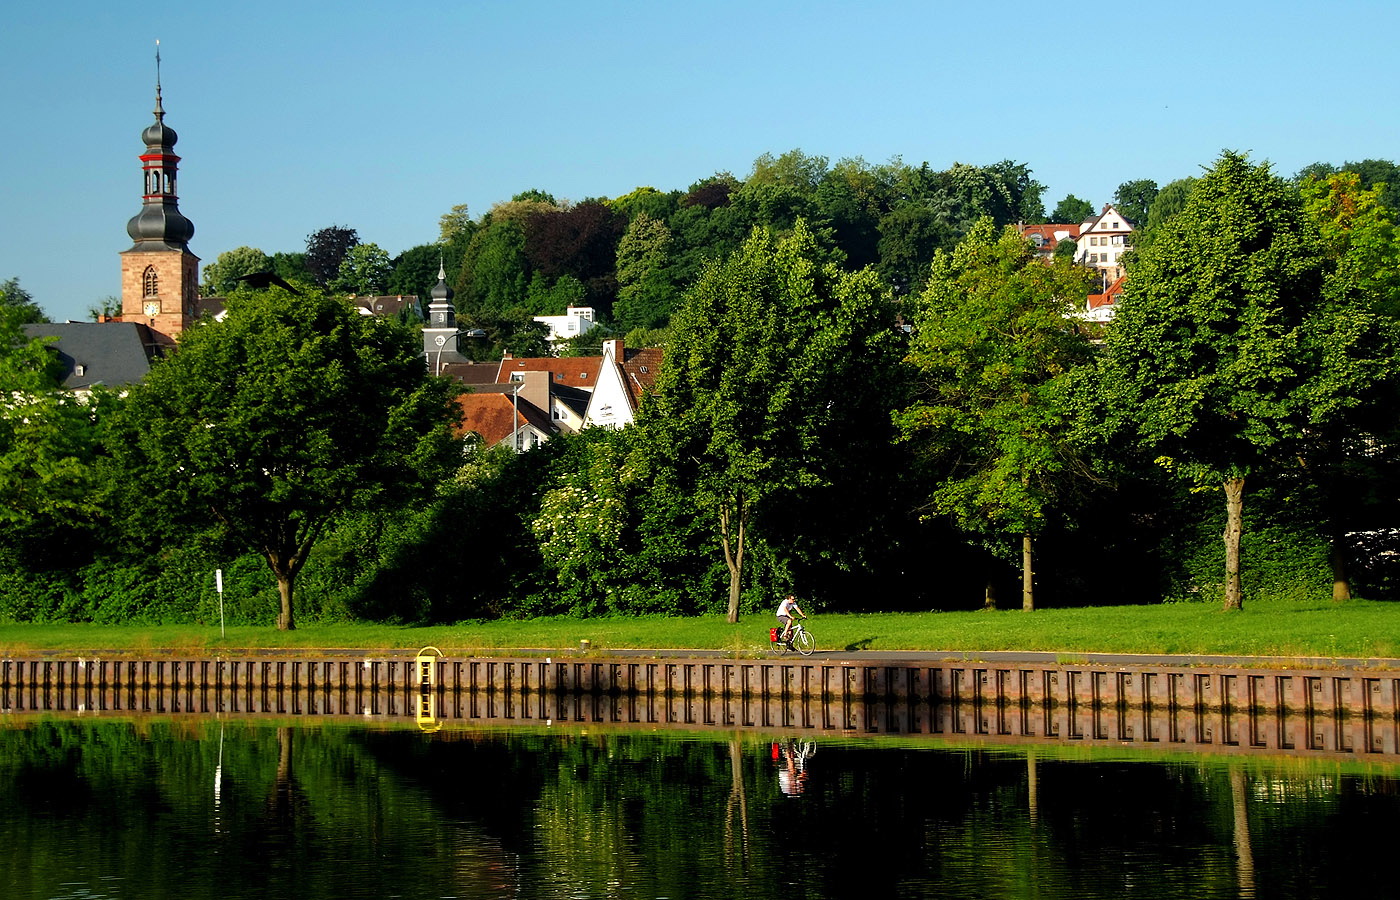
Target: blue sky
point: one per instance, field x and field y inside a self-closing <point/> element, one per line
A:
<point x="297" y="115"/>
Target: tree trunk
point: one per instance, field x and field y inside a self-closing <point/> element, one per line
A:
<point x="989" y="600"/>
<point x="731" y="532"/>
<point x="1234" y="527"/>
<point x="284" y="592"/>
<point x="1341" y="577"/>
<point x="1027" y="575"/>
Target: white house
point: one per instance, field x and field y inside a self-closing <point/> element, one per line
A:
<point x="1103" y="239"/>
<point x="578" y="320"/>
<point x="624" y="377"/>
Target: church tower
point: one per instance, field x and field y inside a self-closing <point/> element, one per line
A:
<point x="160" y="276"/>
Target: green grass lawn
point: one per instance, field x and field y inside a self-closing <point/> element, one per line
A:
<point x="1357" y="628"/>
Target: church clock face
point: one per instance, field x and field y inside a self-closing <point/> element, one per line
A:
<point x="152" y="307"/>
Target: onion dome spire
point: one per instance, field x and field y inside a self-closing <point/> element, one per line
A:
<point x="159" y="225"/>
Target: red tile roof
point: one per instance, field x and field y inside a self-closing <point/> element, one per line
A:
<point x="1048" y="231"/>
<point x="1110" y="295"/>
<point x="640" y="371"/>
<point x="581" y="371"/>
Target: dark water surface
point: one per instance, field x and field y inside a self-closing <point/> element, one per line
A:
<point x="197" y="808"/>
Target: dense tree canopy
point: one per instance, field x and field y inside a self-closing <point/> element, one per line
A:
<point x="994" y="351"/>
<point x="266" y="426"/>
<point x="20" y="304"/>
<point x="221" y="276"/>
<point x="1223" y="354"/>
<point x="325" y="249"/>
<point x="761" y="351"/>
<point x="365" y="269"/>
<point x="1071" y="211"/>
<point x="48" y="436"/>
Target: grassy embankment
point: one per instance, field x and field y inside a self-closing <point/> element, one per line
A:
<point x="1310" y="629"/>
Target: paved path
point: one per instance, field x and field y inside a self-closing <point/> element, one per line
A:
<point x="851" y="656"/>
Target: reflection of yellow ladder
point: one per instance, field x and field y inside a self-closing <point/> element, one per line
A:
<point x="427" y="688"/>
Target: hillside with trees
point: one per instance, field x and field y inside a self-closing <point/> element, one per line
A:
<point x="876" y="395"/>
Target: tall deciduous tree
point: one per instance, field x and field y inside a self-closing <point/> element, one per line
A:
<point x="221" y="276"/>
<point x="365" y="269"/>
<point x="761" y="354"/>
<point x="645" y="294"/>
<point x="1071" y="210"/>
<point x="1217" y="356"/>
<point x="1134" y="199"/>
<point x="326" y="248"/>
<point x="993" y="350"/>
<point x="266" y="425"/>
<point x="1353" y="458"/>
<point x="48" y="436"/>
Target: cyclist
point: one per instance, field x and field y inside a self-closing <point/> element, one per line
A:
<point x="785" y="615"/>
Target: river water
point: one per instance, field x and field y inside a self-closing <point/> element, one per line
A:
<point x="155" y="807"/>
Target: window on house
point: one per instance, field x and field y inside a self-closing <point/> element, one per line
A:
<point x="644" y="369"/>
<point x="1093" y="257"/>
<point x="583" y="374"/>
<point x="517" y="376"/>
<point x="150" y="282"/>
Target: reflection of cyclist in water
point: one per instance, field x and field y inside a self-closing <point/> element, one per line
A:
<point x="792" y="765"/>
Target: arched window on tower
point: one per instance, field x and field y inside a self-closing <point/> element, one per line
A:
<point x="150" y="283"/>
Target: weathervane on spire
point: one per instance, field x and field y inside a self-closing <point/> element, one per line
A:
<point x="160" y="112"/>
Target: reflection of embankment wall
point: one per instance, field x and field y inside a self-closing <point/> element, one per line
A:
<point x="1344" y="712"/>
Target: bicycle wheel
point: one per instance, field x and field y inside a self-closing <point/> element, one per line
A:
<point x="804" y="643"/>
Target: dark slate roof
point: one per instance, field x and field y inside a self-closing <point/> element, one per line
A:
<point x="469" y="372"/>
<point x="576" y="399"/>
<point x="110" y="353"/>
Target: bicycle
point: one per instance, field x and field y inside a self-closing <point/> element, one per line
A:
<point x="799" y="640"/>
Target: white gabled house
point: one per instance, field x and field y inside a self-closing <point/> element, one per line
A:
<point x="1103" y="239"/>
<point x="623" y="378"/>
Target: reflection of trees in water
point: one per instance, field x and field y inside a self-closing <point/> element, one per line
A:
<point x="333" y="812"/>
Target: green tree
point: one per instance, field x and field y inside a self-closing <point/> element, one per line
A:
<point x="760" y="349"/>
<point x="221" y="276"/>
<point x="495" y="274"/>
<point x="1382" y="174"/>
<point x="1072" y="210"/>
<point x="19" y="301"/>
<point x="364" y="270"/>
<point x="1216" y="358"/>
<point x="647" y="200"/>
<point x="266" y="426"/>
<point x="645" y="294"/>
<point x="416" y="271"/>
<point x="109" y="307"/>
<point x="455" y="224"/>
<point x="1352" y="462"/>
<point x="48" y="436"/>
<point x="291" y="267"/>
<point x="909" y="236"/>
<point x="994" y="351"/>
<point x="1170" y="200"/>
<point x="1134" y="200"/>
